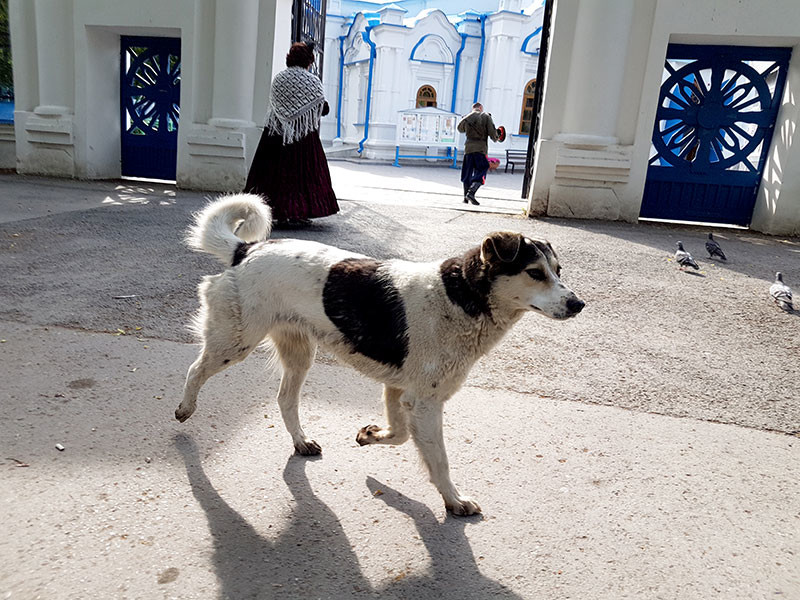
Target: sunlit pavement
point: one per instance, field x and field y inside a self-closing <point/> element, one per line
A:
<point x="425" y="186"/>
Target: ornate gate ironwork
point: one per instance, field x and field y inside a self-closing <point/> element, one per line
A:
<point x="713" y="127"/>
<point x="308" y="25"/>
<point x="150" y="106"/>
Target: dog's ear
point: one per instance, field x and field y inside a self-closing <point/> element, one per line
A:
<point x="501" y="246"/>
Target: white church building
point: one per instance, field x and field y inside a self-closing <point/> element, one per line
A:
<point x="381" y="59"/>
<point x="651" y="109"/>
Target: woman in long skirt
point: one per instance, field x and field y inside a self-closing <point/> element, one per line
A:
<point x="289" y="169"/>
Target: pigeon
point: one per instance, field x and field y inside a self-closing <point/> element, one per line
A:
<point x="683" y="258"/>
<point x="713" y="249"/>
<point x="781" y="293"/>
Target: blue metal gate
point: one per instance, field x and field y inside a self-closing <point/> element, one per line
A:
<point x="714" y="123"/>
<point x="150" y="106"/>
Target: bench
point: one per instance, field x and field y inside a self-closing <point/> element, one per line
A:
<point x="514" y="157"/>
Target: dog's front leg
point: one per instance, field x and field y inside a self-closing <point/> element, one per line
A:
<point x="426" y="430"/>
<point x="396" y="430"/>
<point x="296" y="351"/>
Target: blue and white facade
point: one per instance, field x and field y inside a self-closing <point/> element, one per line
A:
<point x="379" y="56"/>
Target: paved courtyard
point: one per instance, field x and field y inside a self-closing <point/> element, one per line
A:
<point x="646" y="449"/>
<point x="426" y="187"/>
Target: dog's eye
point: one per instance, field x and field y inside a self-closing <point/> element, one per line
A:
<point x="536" y="274"/>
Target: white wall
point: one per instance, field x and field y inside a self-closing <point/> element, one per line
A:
<point x="587" y="167"/>
<point x="778" y="204"/>
<point x="66" y="79"/>
<point x="506" y="73"/>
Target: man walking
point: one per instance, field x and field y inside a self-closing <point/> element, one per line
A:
<point x="478" y="126"/>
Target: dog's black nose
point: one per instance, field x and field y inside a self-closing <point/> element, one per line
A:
<point x="575" y="305"/>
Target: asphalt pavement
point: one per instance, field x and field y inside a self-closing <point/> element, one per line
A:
<point x="647" y="449"/>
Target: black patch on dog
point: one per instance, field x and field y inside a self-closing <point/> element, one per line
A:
<point x="367" y="308"/>
<point x="468" y="280"/>
<point x="467" y="283"/>
<point x="242" y="248"/>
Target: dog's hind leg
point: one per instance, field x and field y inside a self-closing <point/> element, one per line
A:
<point x="426" y="430"/>
<point x="224" y="344"/>
<point x="396" y="431"/>
<point x="296" y="352"/>
<point x="210" y="362"/>
<point x="200" y="371"/>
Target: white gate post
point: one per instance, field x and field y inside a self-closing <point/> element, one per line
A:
<point x="235" y="40"/>
<point x="597" y="70"/>
<point x="55" y="48"/>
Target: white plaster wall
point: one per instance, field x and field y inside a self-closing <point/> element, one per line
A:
<point x="26" y="88"/>
<point x="97" y="152"/>
<point x="654" y="24"/>
<point x="330" y="75"/>
<point x="202" y="80"/>
<point x="8" y="147"/>
<point x="777" y="207"/>
<point x="468" y="72"/>
<point x="274" y="17"/>
<point x="507" y="70"/>
<point x="228" y="56"/>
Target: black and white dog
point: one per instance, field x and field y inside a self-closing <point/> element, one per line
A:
<point x="415" y="327"/>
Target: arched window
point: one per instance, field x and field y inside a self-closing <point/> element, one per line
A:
<point x="526" y="118"/>
<point x="426" y="96"/>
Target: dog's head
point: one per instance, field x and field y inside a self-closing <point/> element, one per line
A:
<point x="526" y="275"/>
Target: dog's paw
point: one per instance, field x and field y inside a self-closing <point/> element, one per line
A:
<point x="308" y="448"/>
<point x="463" y="507"/>
<point x="182" y="413"/>
<point x="367" y="435"/>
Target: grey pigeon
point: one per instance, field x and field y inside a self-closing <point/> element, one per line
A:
<point x="781" y="293"/>
<point x="683" y="258"/>
<point x="713" y="249"/>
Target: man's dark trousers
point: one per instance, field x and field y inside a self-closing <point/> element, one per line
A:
<point x="474" y="169"/>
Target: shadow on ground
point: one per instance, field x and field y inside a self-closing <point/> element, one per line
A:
<point x="312" y="557"/>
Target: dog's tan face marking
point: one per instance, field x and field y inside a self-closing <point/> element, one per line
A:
<point x="529" y="276"/>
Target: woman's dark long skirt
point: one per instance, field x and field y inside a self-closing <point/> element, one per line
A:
<point x="294" y="180"/>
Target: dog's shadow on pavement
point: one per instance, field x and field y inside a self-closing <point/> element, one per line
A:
<point x="312" y="556"/>
<point x="455" y="571"/>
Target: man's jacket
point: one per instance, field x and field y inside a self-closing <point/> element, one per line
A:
<point x="478" y="126"/>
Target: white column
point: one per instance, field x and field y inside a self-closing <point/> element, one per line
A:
<point x="413" y="83"/>
<point x="446" y="93"/>
<point x="55" y="49"/>
<point x="492" y="83"/>
<point x="597" y="71"/>
<point x="381" y="85"/>
<point x="235" y="40"/>
<point x="399" y="100"/>
<point x="23" y="40"/>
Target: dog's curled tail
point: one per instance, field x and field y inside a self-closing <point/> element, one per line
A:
<point x="226" y="223"/>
